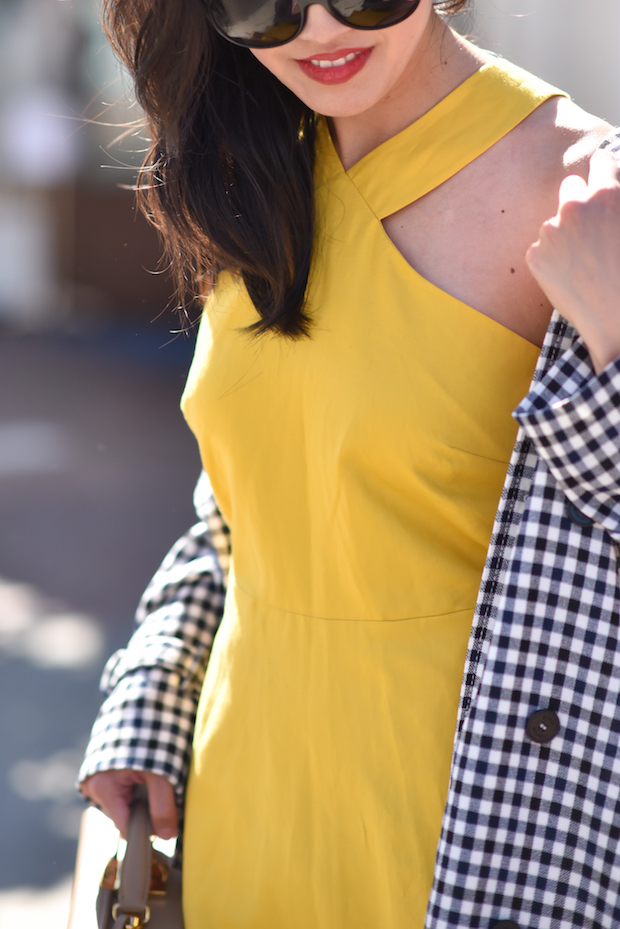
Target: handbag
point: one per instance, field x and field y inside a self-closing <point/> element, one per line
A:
<point x="145" y="887"/>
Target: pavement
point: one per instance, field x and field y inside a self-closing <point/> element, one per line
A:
<point x="97" y="469"/>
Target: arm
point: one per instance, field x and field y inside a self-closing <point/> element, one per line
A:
<point x="144" y="729"/>
<point x="573" y="414"/>
<point x="576" y="259"/>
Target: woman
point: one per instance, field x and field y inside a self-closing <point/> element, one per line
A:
<point x="370" y="331"/>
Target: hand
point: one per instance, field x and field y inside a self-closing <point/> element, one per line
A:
<point x="112" y="792"/>
<point x="576" y="260"/>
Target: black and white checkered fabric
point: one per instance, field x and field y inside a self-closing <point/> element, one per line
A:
<point x="147" y="721"/>
<point x="531" y="831"/>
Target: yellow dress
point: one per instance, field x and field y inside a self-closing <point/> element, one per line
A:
<point x="359" y="470"/>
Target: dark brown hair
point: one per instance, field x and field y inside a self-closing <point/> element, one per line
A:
<point x="228" y="178"/>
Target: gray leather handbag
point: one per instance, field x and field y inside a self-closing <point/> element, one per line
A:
<point x="145" y="887"/>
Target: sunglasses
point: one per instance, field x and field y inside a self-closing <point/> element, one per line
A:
<point x="270" y="23"/>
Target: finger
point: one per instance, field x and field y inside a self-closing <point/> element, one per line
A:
<point x="116" y="806"/>
<point x="162" y="805"/>
<point x="604" y="170"/>
<point x="572" y="187"/>
<point x="112" y="792"/>
<point x="531" y="256"/>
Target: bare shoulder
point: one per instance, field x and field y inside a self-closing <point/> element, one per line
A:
<point x="583" y="131"/>
<point x="471" y="234"/>
<point x="557" y="139"/>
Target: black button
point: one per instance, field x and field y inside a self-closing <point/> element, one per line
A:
<point x="506" y="924"/>
<point x="577" y="517"/>
<point x="541" y="727"/>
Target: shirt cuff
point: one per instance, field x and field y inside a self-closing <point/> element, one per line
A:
<point x="147" y="724"/>
<point x="572" y="416"/>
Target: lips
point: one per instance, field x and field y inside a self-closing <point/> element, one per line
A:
<point x="335" y="67"/>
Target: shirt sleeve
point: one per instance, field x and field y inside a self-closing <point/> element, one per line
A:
<point x="572" y="416"/>
<point x="153" y="685"/>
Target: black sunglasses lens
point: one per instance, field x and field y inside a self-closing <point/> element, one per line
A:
<point x="256" y="22"/>
<point x="374" y="14"/>
<point x="268" y="23"/>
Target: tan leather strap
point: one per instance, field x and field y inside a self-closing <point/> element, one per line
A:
<point x="136" y="867"/>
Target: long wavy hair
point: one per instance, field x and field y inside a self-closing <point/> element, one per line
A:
<point x="228" y="178"/>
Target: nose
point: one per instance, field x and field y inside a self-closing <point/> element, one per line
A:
<point x="320" y="25"/>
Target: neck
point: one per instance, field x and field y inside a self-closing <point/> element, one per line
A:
<point x="441" y="62"/>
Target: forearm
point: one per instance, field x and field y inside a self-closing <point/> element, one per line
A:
<point x="146" y="723"/>
<point x="153" y="684"/>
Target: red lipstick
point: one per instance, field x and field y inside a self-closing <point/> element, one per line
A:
<point x="340" y="66"/>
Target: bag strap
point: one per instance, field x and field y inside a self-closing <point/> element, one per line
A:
<point x="132" y="911"/>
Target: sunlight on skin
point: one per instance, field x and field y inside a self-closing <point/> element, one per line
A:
<point x="411" y="66"/>
<point x="576" y="260"/>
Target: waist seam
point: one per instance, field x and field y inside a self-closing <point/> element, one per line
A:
<point x="341" y="619"/>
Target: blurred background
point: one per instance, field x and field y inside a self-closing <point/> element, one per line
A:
<point x="96" y="465"/>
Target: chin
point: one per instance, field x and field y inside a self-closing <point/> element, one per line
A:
<point x="335" y="112"/>
<point x="336" y="101"/>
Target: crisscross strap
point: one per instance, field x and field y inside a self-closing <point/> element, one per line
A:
<point x="472" y="118"/>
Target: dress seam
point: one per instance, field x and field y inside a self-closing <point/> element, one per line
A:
<point x="342" y="619"/>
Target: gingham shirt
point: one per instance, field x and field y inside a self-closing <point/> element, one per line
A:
<point x="532" y="822"/>
<point x="153" y="685"/>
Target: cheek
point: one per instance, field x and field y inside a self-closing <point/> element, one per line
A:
<point x="282" y="64"/>
<point x="273" y="59"/>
